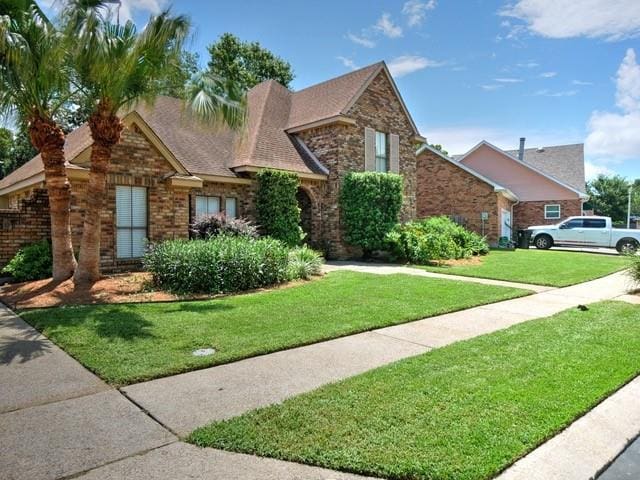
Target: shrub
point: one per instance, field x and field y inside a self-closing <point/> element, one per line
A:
<point x="436" y="238"/>
<point x="634" y="270"/>
<point x="32" y="262"/>
<point x="370" y="203"/>
<point x="221" y="264"/>
<point x="277" y="208"/>
<point x="214" y="225"/>
<point x="304" y="262"/>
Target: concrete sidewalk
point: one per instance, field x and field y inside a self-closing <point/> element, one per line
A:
<point x="185" y="402"/>
<point x="391" y="268"/>
<point x="58" y="420"/>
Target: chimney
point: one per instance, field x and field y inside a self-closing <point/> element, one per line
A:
<point x="521" y="151"/>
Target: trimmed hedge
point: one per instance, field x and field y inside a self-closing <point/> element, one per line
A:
<point x="436" y="238"/>
<point x="370" y="203"/>
<point x="277" y="208"/>
<point x="221" y="264"/>
<point x="33" y="262"/>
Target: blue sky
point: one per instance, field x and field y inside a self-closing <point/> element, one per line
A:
<point x="554" y="71"/>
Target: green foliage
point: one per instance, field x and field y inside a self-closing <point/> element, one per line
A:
<point x="608" y="196"/>
<point x="32" y="262"/>
<point x="634" y="269"/>
<point x="277" y="208"/>
<point x="214" y="225"/>
<point x="436" y="238"/>
<point x="246" y="63"/>
<point x="304" y="262"/>
<point x="219" y="265"/>
<point x="438" y="147"/>
<point x="370" y="203"/>
<point x="635" y="198"/>
<point x="176" y="78"/>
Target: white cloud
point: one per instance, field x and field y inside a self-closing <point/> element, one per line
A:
<point x="592" y="170"/>
<point x="548" y="93"/>
<point x="491" y="87"/>
<point x="548" y="74"/>
<point x="361" y="40"/>
<point x="386" y="26"/>
<point x="530" y="64"/>
<point x="508" y="80"/>
<point x="406" y="64"/>
<point x="585" y="18"/>
<point x="613" y="137"/>
<point x="348" y="62"/>
<point x="581" y="83"/>
<point x="416" y="11"/>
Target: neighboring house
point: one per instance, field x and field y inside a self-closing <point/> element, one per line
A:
<point x="167" y="170"/>
<point x="494" y="192"/>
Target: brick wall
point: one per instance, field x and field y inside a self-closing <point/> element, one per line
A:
<point x="340" y="148"/>
<point x="27" y="223"/>
<point x="527" y="214"/>
<point x="444" y="189"/>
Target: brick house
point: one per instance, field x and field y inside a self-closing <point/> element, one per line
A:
<point x="495" y="192"/>
<point x="168" y="169"/>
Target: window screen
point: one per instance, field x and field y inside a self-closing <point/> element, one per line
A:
<point x="207" y="205"/>
<point x="230" y="207"/>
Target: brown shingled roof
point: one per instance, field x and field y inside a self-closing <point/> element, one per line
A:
<point x="264" y="142"/>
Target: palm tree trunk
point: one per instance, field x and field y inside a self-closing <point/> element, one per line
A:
<point x="48" y="138"/>
<point x="105" y="131"/>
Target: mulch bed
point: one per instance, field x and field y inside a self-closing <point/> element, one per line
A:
<point x="122" y="288"/>
<point x="129" y="287"/>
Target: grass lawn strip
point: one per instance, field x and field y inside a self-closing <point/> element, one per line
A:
<point x="128" y="343"/>
<point x="549" y="268"/>
<point x="465" y="411"/>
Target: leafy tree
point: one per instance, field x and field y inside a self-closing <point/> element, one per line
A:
<point x="177" y="78"/>
<point x="32" y="81"/>
<point x="609" y="196"/>
<point x="6" y="150"/>
<point x="438" y="147"/>
<point x="246" y="64"/>
<point x="116" y="66"/>
<point x="635" y="198"/>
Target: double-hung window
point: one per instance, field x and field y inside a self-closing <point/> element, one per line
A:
<point x="382" y="158"/>
<point x="206" y="206"/>
<point x="131" y="221"/>
<point x="231" y="207"/>
<point x="552" y="212"/>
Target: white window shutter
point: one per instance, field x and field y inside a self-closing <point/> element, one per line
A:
<point x="369" y="149"/>
<point x="394" y="153"/>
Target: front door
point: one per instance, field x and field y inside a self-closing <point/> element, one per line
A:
<point x="505" y="230"/>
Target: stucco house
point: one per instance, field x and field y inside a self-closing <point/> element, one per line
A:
<point x="168" y="169"/>
<point x="494" y="192"/>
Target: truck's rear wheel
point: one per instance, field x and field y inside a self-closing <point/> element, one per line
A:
<point x="543" y="242"/>
<point x="627" y="245"/>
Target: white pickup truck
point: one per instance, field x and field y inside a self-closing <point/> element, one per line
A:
<point x="585" y="232"/>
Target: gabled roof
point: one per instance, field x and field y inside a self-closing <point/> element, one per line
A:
<point x="564" y="162"/>
<point x="496" y="187"/>
<point x="274" y="114"/>
<point x="461" y="158"/>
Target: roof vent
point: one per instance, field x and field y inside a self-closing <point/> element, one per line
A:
<point x="540" y="149"/>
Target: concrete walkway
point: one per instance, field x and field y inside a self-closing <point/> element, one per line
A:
<point x="185" y="402"/>
<point x="58" y="420"/>
<point x="390" y="269"/>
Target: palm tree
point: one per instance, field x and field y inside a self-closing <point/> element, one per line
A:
<point x="33" y="86"/>
<point x="116" y="67"/>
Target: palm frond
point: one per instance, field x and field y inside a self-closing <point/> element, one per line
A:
<point x="215" y="101"/>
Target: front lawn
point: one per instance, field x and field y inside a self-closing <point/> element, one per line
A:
<point x="538" y="267"/>
<point x="464" y="412"/>
<point x="128" y="343"/>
